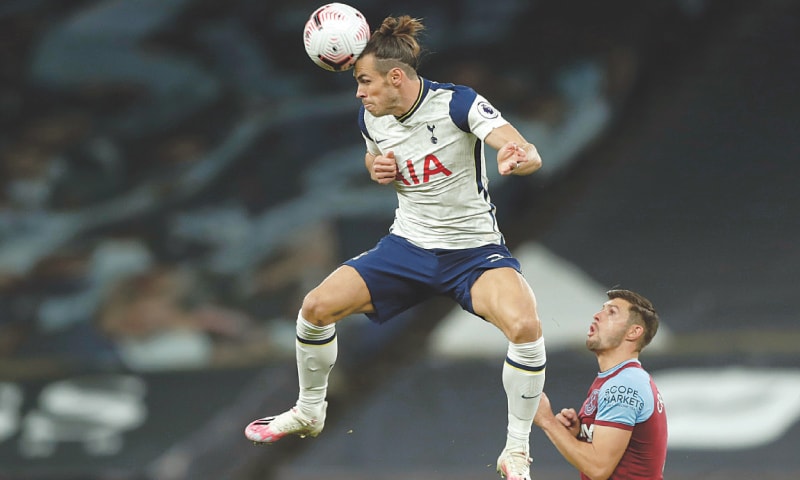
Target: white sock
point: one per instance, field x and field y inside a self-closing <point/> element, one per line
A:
<point x="523" y="380"/>
<point x="316" y="349"/>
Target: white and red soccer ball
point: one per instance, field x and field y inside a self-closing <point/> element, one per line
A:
<point x="335" y="35"/>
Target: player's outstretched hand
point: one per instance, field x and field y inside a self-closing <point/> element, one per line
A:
<point x="384" y="168"/>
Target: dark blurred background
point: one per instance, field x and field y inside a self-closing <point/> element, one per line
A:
<point x="176" y="174"/>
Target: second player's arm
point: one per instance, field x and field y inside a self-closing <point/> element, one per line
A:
<point x="597" y="459"/>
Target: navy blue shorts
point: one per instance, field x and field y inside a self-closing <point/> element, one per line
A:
<point x="400" y="275"/>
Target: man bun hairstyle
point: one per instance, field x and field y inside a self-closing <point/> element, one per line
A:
<point x="394" y="44"/>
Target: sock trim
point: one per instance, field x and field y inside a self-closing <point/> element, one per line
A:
<point x="528" y="368"/>
<point x="324" y="341"/>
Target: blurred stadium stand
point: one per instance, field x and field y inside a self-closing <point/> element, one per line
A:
<point x="174" y="175"/>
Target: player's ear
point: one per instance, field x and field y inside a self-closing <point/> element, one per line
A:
<point x="396" y="75"/>
<point x="635" y="331"/>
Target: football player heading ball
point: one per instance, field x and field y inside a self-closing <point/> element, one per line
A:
<point x="427" y="140"/>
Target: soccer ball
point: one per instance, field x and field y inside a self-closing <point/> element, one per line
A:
<point x="335" y="35"/>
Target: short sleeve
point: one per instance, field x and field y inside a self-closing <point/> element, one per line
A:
<point x="472" y="113"/>
<point x="626" y="399"/>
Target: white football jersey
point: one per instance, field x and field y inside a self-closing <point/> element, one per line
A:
<point x="442" y="186"/>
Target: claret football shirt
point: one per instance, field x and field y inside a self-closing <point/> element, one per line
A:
<point x="626" y="397"/>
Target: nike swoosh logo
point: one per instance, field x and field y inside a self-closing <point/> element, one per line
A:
<point x="531" y="398"/>
<point x="380" y="141"/>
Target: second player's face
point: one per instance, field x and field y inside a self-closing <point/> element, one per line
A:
<point x="375" y="91"/>
<point x="609" y="326"/>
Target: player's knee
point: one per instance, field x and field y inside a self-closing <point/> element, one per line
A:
<point x="522" y="329"/>
<point x="316" y="310"/>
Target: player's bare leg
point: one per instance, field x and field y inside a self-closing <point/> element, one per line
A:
<point x="504" y="298"/>
<point x="316" y="349"/>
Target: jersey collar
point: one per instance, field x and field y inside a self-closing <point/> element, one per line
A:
<point x="620" y="366"/>
<point x="423" y="91"/>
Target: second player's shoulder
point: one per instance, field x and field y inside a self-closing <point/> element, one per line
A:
<point x="629" y="374"/>
<point x="634" y="375"/>
<point x="630" y="385"/>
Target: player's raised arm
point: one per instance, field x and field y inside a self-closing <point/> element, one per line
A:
<point x="515" y="155"/>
